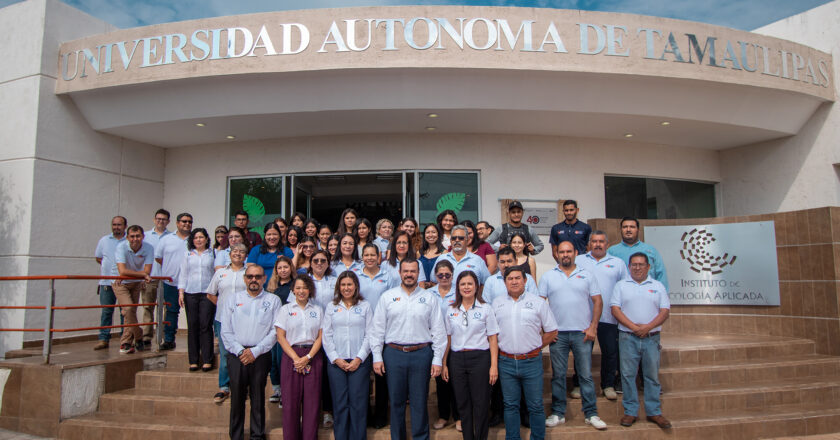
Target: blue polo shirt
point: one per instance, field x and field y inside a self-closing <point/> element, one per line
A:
<point x="657" y="265"/>
<point x="494" y="287"/>
<point x="267" y="260"/>
<point x="469" y="261"/>
<point x="569" y="297"/>
<point x="372" y="288"/>
<point x="578" y="233"/>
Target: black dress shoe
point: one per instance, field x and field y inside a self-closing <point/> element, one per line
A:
<point x="167" y="345"/>
<point x="379" y="424"/>
<point x="495" y="420"/>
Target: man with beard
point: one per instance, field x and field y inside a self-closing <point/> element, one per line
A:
<point x="105" y="254"/>
<point x="570" y="229"/>
<point x="248" y="334"/>
<point x="408" y="340"/>
<point x="461" y="258"/>
<point x="569" y="290"/>
<point x="630" y="244"/>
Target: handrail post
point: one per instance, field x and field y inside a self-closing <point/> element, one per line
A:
<point x="49" y="322"/>
<point x="159" y="317"/>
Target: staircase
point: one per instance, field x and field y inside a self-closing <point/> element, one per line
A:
<point x="714" y="387"/>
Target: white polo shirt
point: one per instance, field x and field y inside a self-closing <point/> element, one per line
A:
<point x="608" y="271"/>
<point x="196" y="271"/>
<point x="640" y="302"/>
<point x="136" y="261"/>
<point x="301" y="324"/>
<point x="406" y="319"/>
<point x="480" y="324"/>
<point x="153" y="238"/>
<point x="569" y="297"/>
<point x="495" y="287"/>
<point x="324" y="290"/>
<point x="225" y="283"/>
<point x="106" y="251"/>
<point x="521" y="322"/>
<point x="172" y="250"/>
<point x="469" y="261"/>
<point x="372" y="288"/>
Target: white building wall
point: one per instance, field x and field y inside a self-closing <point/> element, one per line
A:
<point x="800" y="171"/>
<point x="60" y="181"/>
<point x="527" y="167"/>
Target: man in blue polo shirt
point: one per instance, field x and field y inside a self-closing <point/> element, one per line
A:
<point x="134" y="258"/>
<point x="575" y="300"/>
<point x="461" y="258"/>
<point x="105" y="253"/>
<point x="630" y="244"/>
<point x="571" y="229"/>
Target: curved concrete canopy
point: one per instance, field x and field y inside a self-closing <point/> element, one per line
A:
<point x="504" y="89"/>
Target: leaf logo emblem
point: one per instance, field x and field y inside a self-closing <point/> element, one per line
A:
<point x="453" y="201"/>
<point x="255" y="209"/>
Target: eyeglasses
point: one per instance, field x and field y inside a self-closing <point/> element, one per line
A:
<point x="319" y="261"/>
<point x="308" y="247"/>
<point x="466" y="321"/>
<point x="638" y="265"/>
<point x="161" y="219"/>
<point x="444" y="276"/>
<point x="253" y="277"/>
<point x="185" y="221"/>
<point x="458" y="238"/>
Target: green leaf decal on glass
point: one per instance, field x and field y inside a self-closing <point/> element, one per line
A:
<point x="254" y="207"/>
<point x="453" y="201"/>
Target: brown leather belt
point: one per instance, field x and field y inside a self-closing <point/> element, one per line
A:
<point x="519" y="357"/>
<point x="408" y="348"/>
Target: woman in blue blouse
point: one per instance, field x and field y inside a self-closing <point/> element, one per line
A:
<point x="266" y="254"/>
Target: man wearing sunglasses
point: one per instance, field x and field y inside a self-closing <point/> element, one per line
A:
<point x="169" y="253"/>
<point x="461" y="258"/>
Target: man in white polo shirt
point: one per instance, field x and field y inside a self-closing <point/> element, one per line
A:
<point x="569" y="290"/>
<point x="526" y="325"/>
<point x="608" y="270"/>
<point x="461" y="258"/>
<point x="104" y="254"/>
<point x="134" y="258"/>
<point x="169" y="253"/>
<point x="641" y="305"/>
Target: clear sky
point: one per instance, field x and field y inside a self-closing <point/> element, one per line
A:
<point x="739" y="14"/>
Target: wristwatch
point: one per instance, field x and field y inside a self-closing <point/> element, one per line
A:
<point x="308" y="356"/>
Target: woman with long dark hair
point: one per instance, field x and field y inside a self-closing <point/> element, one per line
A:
<point x="347" y="222"/>
<point x="402" y="249"/>
<point x="293" y="236"/>
<point x="446" y="398"/>
<point x="280" y="285"/>
<point x="348" y="353"/>
<point x="324" y="234"/>
<point x="193" y="281"/>
<point x="523" y="259"/>
<point x="323" y="279"/>
<point x="266" y="254"/>
<point x="411" y="226"/>
<point x="220" y="235"/>
<point x="347" y="257"/>
<point x="303" y="253"/>
<point x="480" y="247"/>
<point x="471" y="360"/>
<point x="431" y="250"/>
<point x="363" y="233"/>
<point x="235" y="235"/>
<point x="310" y="228"/>
<point x="445" y="221"/>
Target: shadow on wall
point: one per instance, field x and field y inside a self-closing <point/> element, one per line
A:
<point x="12" y="213"/>
<point x="771" y="168"/>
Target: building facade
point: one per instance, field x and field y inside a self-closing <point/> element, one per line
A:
<point x="397" y="111"/>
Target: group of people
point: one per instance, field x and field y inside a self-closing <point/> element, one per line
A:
<point x="317" y="310"/>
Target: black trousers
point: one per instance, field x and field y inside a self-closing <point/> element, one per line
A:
<point x="200" y="313"/>
<point x="380" y="406"/>
<point x="248" y="380"/>
<point x="469" y="374"/>
<point x="446" y="405"/>
<point x="326" y="394"/>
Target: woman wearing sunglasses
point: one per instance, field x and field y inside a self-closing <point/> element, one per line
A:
<point x="470" y="362"/>
<point x="446" y="399"/>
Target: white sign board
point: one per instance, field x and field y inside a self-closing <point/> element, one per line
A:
<point x="540" y="219"/>
<point x="724" y="264"/>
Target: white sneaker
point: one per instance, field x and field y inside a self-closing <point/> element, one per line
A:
<point x="596" y="423"/>
<point x="327" y="423"/>
<point x="575" y="394"/>
<point x="554" y="420"/>
<point x="609" y="393"/>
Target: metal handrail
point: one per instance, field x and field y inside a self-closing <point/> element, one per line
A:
<point x="51" y="308"/>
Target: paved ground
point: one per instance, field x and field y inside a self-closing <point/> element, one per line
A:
<point x="11" y="435"/>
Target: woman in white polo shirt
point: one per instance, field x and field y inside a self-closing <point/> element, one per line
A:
<point x="193" y="280"/>
<point x="472" y="354"/>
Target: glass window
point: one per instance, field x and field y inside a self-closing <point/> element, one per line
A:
<point x="442" y="191"/>
<point x="260" y="197"/>
<point x="658" y="198"/>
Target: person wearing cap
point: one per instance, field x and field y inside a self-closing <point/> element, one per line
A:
<point x="526" y="326"/>
<point x="575" y="300"/>
<point x="461" y="258"/>
<point x="408" y="340"/>
<point x="514" y="224"/>
<point x="641" y="305"/>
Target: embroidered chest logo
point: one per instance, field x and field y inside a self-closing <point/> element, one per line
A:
<point x="357" y="310"/>
<point x="422" y="300"/>
<point x="313" y="314"/>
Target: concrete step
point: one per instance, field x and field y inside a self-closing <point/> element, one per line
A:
<point x="786" y="420"/>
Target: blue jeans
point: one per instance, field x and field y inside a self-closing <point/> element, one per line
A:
<point x="276" y="357"/>
<point x="572" y="341"/>
<point x="224" y="375"/>
<point x="408" y="379"/>
<point x="634" y="349"/>
<point x="107" y="298"/>
<point x="518" y="376"/>
<point x="350" y="400"/>
<point x="170" y="295"/>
